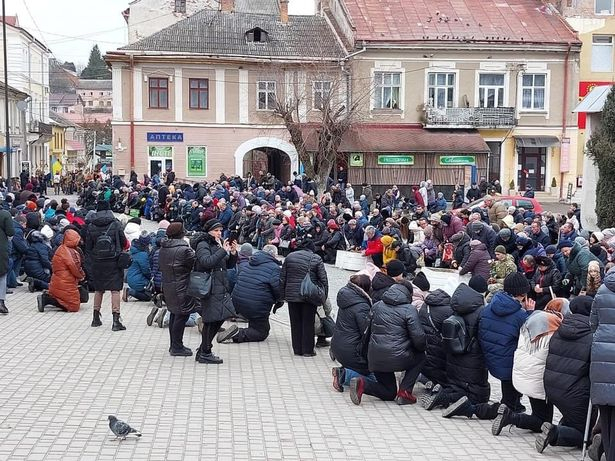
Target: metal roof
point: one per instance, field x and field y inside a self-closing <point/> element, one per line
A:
<point x="595" y="99"/>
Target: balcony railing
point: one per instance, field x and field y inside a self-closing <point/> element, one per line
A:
<point x="470" y="117"/>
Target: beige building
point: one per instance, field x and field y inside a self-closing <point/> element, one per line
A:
<point x="96" y="95"/>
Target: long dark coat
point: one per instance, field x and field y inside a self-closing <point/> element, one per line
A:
<point x="6" y="230"/>
<point x="176" y="260"/>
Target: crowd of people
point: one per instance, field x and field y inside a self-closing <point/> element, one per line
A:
<point x="535" y="313"/>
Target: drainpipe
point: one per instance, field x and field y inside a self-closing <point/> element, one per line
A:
<point x="132" y="113"/>
<point x="565" y="117"/>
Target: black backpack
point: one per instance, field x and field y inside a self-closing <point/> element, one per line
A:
<point x="455" y="335"/>
<point x="105" y="246"/>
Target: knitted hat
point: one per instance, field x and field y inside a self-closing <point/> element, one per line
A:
<point x="478" y="283"/>
<point x="505" y="234"/>
<point x="551" y="249"/>
<point x="164" y="224"/>
<point x="522" y="240"/>
<point x="175" y="230"/>
<point x="30" y="205"/>
<point x="103" y="205"/>
<point x="420" y="281"/>
<point x="543" y="260"/>
<point x="476" y="226"/>
<point x="516" y="284"/>
<point x="564" y="244"/>
<point x="144" y="238"/>
<point x="246" y="250"/>
<point x="500" y="249"/>
<point x="457" y="237"/>
<point x="211" y="225"/>
<point x="395" y="268"/>
<point x="446" y="219"/>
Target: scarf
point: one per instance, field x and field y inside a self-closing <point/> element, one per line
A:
<point x="542" y="324"/>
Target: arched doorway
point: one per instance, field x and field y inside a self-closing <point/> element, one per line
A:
<point x="271" y="155"/>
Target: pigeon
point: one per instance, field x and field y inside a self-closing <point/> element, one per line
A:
<point x="121" y="429"/>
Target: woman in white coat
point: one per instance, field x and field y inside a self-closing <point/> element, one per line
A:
<point x="529" y="368"/>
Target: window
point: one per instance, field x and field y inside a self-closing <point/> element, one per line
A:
<point x="66" y="110"/>
<point x="533" y="91"/>
<point x="180" y="6"/>
<point x="55" y="109"/>
<point x="266" y="95"/>
<point x="490" y="90"/>
<point x="199" y="93"/>
<point x="602" y="53"/>
<point x="90" y="103"/>
<point x="108" y="103"/>
<point x="388" y="90"/>
<point x="603" y="6"/>
<point x="158" y="93"/>
<point x="321" y="90"/>
<point x="257" y="35"/>
<point x="441" y="88"/>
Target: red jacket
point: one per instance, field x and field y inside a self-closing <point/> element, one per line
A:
<point x="374" y="247"/>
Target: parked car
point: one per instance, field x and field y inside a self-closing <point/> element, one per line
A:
<point x="514" y="200"/>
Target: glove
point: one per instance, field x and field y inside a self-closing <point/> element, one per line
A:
<point x="277" y="305"/>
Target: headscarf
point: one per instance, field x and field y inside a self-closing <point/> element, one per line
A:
<point x="542" y="324"/>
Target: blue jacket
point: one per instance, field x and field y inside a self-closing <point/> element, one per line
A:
<point x="18" y="242"/>
<point x="498" y="333"/>
<point x="37" y="262"/>
<point x="155" y="265"/>
<point x="225" y="216"/>
<point x="139" y="272"/>
<point x="258" y="286"/>
<point x="602" y="368"/>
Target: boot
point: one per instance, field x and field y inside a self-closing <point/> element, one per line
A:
<point x="117" y="325"/>
<point x="462" y="407"/>
<point x="3" y="309"/>
<point x="40" y="303"/>
<point x="405" y="398"/>
<point x="504" y="418"/>
<point x="96" y="319"/>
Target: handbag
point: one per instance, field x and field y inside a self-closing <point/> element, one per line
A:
<point x="84" y="294"/>
<point x="199" y="285"/>
<point x="328" y="326"/>
<point x="309" y="291"/>
<point x="124" y="260"/>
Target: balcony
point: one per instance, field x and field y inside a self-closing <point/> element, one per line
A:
<point x="470" y="117"/>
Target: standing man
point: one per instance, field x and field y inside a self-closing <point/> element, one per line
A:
<point x="6" y="231"/>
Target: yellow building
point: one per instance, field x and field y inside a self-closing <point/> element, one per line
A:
<point x="57" y="148"/>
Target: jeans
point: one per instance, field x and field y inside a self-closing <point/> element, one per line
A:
<point x="349" y="374"/>
<point x="141" y="295"/>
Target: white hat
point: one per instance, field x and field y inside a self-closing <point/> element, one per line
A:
<point x="47" y="232"/>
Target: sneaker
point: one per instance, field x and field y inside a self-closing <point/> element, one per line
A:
<point x="39" y="302"/>
<point x="405" y="398"/>
<point x="183" y="352"/>
<point x="501" y="420"/>
<point x="151" y="316"/>
<point x="125" y="295"/>
<point x="436" y="399"/>
<point x="338" y="373"/>
<point x="209" y="358"/>
<point x="357" y="386"/>
<point x="160" y="319"/>
<point x="322" y="342"/>
<point x="23" y="277"/>
<point x="429" y="386"/>
<point x="461" y="407"/>
<point x="546" y="437"/>
<point x="227" y="334"/>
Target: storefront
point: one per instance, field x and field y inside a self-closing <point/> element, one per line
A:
<point x="160" y="159"/>
<point x="532" y="161"/>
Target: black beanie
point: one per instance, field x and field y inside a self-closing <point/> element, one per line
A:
<point x="478" y="283"/>
<point x="102" y="205"/>
<point x="446" y="219"/>
<point x="581" y="305"/>
<point x="395" y="268"/>
<point x="516" y="284"/>
<point x="420" y="281"/>
<point x="212" y="224"/>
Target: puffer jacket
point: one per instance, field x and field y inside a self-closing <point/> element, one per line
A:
<point x="467" y="373"/>
<point x="437" y="309"/>
<point x="67" y="272"/>
<point x="257" y="287"/>
<point x="154" y="261"/>
<point x="295" y="267"/>
<point x="566" y="377"/>
<point x="397" y="335"/>
<point x="37" y="262"/>
<point x="139" y="272"/>
<point x="602" y="369"/>
<point x="132" y="231"/>
<point x="577" y="263"/>
<point x="380" y="284"/>
<point x="211" y="257"/>
<point x="549" y="278"/>
<point x="485" y="234"/>
<point x="176" y="262"/>
<point x="498" y="333"/>
<point x="478" y="261"/>
<point x="354" y="306"/>
<point x="462" y="250"/>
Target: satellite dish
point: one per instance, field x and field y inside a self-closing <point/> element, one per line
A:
<point x="21" y="105"/>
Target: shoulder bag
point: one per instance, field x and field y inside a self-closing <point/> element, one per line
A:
<point x="309" y="291"/>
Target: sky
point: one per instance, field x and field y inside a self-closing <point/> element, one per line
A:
<point x="70" y="28"/>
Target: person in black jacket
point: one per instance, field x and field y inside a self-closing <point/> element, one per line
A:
<point x="436" y="309"/>
<point x="176" y="260"/>
<point x="335" y="242"/>
<point x="566" y="377"/>
<point x="546" y="281"/>
<point x="256" y="291"/>
<point x="397" y="343"/>
<point x="302" y="312"/>
<point x="461" y="253"/>
<point x="404" y="254"/>
<point x="351" y="328"/>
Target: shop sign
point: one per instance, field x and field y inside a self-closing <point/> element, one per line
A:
<point x="457" y="160"/>
<point x="197" y="161"/>
<point x="160" y="151"/>
<point x="396" y="160"/>
<point x="165" y="137"/>
<point x="356" y="160"/>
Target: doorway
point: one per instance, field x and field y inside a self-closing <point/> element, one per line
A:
<point x="494" y="160"/>
<point x="159" y="165"/>
<point x="268" y="160"/>
<point x="531" y="168"/>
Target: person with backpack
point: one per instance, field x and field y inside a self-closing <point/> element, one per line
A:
<point x="104" y="242"/>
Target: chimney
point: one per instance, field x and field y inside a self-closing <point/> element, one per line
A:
<point x="227" y="5"/>
<point x="284" y="11"/>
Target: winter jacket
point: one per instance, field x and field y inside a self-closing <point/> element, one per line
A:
<point x="436" y="309"/>
<point x="67" y="272"/>
<point x="176" y="262"/>
<point x="388" y="253"/>
<point x="380" y="284"/>
<point x="336" y="242"/>
<point x="478" y="261"/>
<point x="257" y="287"/>
<point x="509" y="244"/>
<point x="498" y="333"/>
<point x="500" y="269"/>
<point x="602" y="369"/>
<point x="550" y="278"/>
<point x="18" y="242"/>
<point x="467" y="373"/>
<point x="397" y="335"/>
<point x="487" y="235"/>
<point x="104" y="275"/>
<point x="212" y="258"/>
<point x="295" y="267"/>
<point x="461" y="253"/>
<point x="154" y="262"/>
<point x="37" y="261"/>
<point x="6" y="230"/>
<point x="566" y="377"/>
<point x="354" y="306"/>
<point x="132" y="231"/>
<point x="497" y="211"/>
<point x="456" y="225"/>
<point x="577" y="263"/>
<point x="139" y="273"/>
<point x="404" y="254"/>
<point x="560" y="262"/>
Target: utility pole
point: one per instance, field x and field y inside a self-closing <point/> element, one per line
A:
<point x="6" y="100"/>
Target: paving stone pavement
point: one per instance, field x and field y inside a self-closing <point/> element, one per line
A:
<point x="60" y="378"/>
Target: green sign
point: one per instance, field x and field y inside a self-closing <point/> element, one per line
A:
<point x="396" y="160"/>
<point x="160" y="151"/>
<point x="356" y="159"/>
<point x="197" y="161"/>
<point x="455" y="160"/>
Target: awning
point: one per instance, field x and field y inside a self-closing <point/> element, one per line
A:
<point x="536" y="141"/>
<point x="404" y="138"/>
<point x="595" y="99"/>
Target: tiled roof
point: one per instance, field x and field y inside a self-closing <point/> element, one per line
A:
<point x="63" y="99"/>
<point x="404" y="138"/>
<point x="258" y="6"/>
<point x="95" y="85"/>
<point x="528" y="21"/>
<point x="216" y="33"/>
